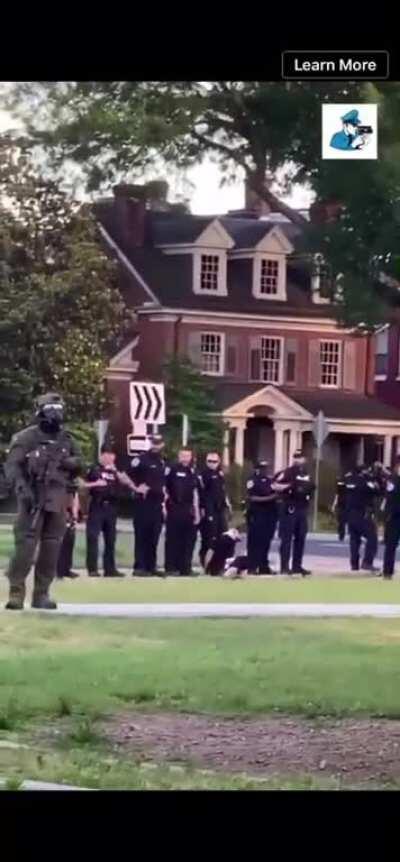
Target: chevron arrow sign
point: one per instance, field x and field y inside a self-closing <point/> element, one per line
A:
<point x="147" y="403"/>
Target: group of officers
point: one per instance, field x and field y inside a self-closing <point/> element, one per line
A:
<point x="46" y="470"/>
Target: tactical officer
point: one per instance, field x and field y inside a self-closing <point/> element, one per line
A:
<point x="103" y="482"/>
<point x="392" y="520"/>
<point x="339" y="508"/>
<point x="293" y="526"/>
<point x="262" y="518"/>
<point x="183" y="514"/>
<point x="361" y="492"/>
<point x="147" y="474"/>
<point x="214" y="504"/>
<point x="65" y="557"/>
<point x="41" y="464"/>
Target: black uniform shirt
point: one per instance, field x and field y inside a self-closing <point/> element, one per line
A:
<point x="260" y="486"/>
<point x="361" y="491"/>
<point x="181" y="483"/>
<point x="109" y="493"/>
<point x="341" y="493"/>
<point x="301" y="487"/>
<point x="393" y="497"/>
<point x="149" y="468"/>
<point x="212" y="490"/>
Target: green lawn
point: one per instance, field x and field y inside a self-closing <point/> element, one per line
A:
<point x="202" y="589"/>
<point x="124" y="548"/>
<point x="67" y="674"/>
<point x="228" y="666"/>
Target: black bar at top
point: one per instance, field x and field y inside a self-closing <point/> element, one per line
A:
<point x="335" y="65"/>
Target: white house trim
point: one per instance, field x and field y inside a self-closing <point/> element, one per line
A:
<point x="115" y="360"/>
<point x="281" y="285"/>
<point x="264" y="321"/>
<point x="129" y="266"/>
<point x="222" y="289"/>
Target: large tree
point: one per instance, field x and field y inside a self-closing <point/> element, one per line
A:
<point x="60" y="309"/>
<point x="191" y="394"/>
<point x="268" y="133"/>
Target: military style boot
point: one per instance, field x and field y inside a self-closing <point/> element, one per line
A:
<point x="43" y="603"/>
<point x="15" y="601"/>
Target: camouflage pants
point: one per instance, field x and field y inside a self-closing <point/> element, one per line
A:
<point x="43" y="531"/>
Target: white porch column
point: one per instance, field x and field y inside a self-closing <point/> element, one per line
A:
<point x="296" y="439"/>
<point x="361" y="451"/>
<point x="387" y="450"/>
<point x="225" y="451"/>
<point x="278" y="464"/>
<point x="397" y="446"/>
<point x="239" y="443"/>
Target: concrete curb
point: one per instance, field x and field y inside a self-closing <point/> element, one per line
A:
<point x="42" y="785"/>
<point x="225" y="610"/>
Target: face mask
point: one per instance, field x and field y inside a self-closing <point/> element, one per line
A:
<point x="51" y="417"/>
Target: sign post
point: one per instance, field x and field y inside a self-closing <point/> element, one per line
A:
<point x="101" y="427"/>
<point x="185" y="429"/>
<point x="320" y="432"/>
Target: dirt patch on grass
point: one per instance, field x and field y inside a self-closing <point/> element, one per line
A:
<point x="357" y="750"/>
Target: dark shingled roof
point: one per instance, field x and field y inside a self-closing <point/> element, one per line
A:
<point x="170" y="276"/>
<point x="333" y="404"/>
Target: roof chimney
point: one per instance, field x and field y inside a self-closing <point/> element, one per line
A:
<point x="130" y="213"/>
<point x="157" y="195"/>
<point x="325" y="212"/>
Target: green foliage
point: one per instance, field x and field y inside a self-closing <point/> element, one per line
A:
<point x="86" y="439"/>
<point x="61" y="314"/>
<point x="267" y="132"/>
<point x="190" y="392"/>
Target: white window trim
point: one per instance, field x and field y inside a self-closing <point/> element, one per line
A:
<point x="222" y="336"/>
<point x="281" y="260"/>
<point x="222" y="286"/>
<point x="278" y="382"/>
<point x="384" y="330"/>
<point x="337" y="385"/>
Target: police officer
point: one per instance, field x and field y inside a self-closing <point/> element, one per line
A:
<point x="214" y="504"/>
<point x="293" y="526"/>
<point x="103" y="482"/>
<point x="392" y="520"/>
<point x="262" y="518"/>
<point x="65" y="557"/>
<point x="339" y="507"/>
<point x="183" y="514"/>
<point x="147" y="474"/>
<point x="41" y="464"/>
<point x="361" y="492"/>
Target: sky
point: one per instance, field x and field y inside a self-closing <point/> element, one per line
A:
<point x="207" y="195"/>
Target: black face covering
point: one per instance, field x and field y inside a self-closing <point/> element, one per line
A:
<point x="51" y="417"/>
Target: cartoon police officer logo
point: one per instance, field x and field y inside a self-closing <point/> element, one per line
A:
<point x="349" y="132"/>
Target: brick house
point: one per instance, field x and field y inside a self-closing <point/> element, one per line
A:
<point x="233" y="293"/>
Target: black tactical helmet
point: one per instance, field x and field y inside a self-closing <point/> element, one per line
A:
<point x="50" y="409"/>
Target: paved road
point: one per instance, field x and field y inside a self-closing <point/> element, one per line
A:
<point x="222" y="610"/>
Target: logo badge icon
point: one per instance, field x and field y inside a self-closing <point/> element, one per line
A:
<point x="349" y="131"/>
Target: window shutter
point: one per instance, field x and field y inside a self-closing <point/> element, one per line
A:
<point x="232" y="354"/>
<point x="193" y="347"/>
<point x="291" y="360"/>
<point x="255" y="358"/>
<point x="349" y="365"/>
<point x="314" y="363"/>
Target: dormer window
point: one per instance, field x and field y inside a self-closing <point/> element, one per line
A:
<point x="269" y="277"/>
<point x="209" y="273"/>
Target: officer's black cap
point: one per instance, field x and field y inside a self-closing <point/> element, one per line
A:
<point x="156" y="439"/>
<point x="261" y="464"/>
<point x="298" y="454"/>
